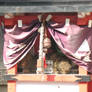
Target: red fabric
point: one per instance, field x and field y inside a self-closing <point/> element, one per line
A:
<point x="61" y="17"/>
<point x="44" y="59"/>
<point x="57" y="17"/>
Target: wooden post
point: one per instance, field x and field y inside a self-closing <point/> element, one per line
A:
<point x="83" y="86"/>
<point x="40" y="60"/>
<point x="12" y="84"/>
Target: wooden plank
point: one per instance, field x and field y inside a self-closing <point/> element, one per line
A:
<point x="45" y="77"/>
<point x="66" y="78"/>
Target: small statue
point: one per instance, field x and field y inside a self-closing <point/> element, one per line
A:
<point x="62" y="67"/>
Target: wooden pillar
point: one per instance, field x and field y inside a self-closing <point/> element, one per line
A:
<point x="12" y="84"/>
<point x="83" y="86"/>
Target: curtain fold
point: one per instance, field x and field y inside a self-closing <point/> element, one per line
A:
<point x="75" y="42"/>
<point x="18" y="42"/>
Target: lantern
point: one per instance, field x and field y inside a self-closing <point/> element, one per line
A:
<point x="47" y="43"/>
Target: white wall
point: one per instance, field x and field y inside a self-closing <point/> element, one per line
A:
<point x="46" y="87"/>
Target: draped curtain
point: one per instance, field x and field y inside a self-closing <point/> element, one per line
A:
<point x="18" y="42"/>
<point x="74" y="41"/>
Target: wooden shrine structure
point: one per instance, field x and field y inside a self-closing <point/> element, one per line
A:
<point x="58" y="8"/>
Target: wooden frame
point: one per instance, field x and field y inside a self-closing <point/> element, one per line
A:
<point x="83" y="86"/>
<point x="49" y="77"/>
<point x="12" y="76"/>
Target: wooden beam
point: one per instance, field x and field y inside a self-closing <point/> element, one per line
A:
<point x="45" y="77"/>
<point x="90" y="85"/>
<point x="12" y="84"/>
<point x="57" y="17"/>
<point x="83" y="86"/>
<point x="46" y="8"/>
